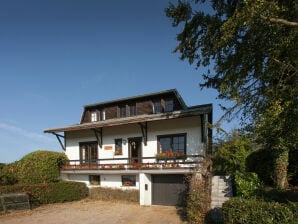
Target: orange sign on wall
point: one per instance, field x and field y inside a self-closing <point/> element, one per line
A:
<point x="108" y="147"/>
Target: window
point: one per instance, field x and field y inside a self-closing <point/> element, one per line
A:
<point x="132" y="110"/>
<point x="102" y="115"/>
<point x="88" y="152"/>
<point x="172" y="143"/>
<point x="122" y="111"/>
<point x="94" y="179"/>
<point x="128" y="180"/>
<point x="157" y="107"/>
<point x="118" y="146"/>
<point x="93" y="116"/>
<point x="169" y="105"/>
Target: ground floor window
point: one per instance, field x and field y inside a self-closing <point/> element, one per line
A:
<point x="128" y="180"/>
<point x="172" y="143"/>
<point x="94" y="179"/>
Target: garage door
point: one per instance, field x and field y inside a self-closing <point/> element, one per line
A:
<point x="169" y="189"/>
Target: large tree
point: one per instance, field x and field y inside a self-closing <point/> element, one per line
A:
<point x="253" y="47"/>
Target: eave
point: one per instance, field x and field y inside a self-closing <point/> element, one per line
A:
<point x="193" y="111"/>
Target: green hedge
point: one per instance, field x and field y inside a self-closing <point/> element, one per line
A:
<point x="49" y="192"/>
<point x="40" y="167"/>
<point x="243" y="211"/>
<point x="110" y="194"/>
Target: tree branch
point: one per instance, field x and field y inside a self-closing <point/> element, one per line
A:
<point x="278" y="20"/>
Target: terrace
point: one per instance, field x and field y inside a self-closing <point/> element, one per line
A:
<point x="134" y="163"/>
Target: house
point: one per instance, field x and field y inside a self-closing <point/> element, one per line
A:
<point x="148" y="142"/>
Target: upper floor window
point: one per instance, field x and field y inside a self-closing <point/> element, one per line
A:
<point x="172" y="143"/>
<point x="157" y="107"/>
<point x="132" y="109"/>
<point x="102" y="115"/>
<point x="169" y="105"/>
<point x="93" y="116"/>
<point x="122" y="111"/>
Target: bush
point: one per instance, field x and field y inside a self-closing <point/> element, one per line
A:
<point x="6" y="176"/>
<point x="49" y="192"/>
<point x="247" y="184"/>
<point x="242" y="211"/>
<point x="231" y="154"/>
<point x="40" y="167"/>
<point x="110" y="194"/>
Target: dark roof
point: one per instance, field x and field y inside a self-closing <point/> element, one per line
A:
<point x="189" y="112"/>
<point x="170" y="91"/>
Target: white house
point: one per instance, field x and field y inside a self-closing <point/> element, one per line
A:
<point x="147" y="142"/>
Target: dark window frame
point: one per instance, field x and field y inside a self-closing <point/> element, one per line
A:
<point x="91" y="153"/>
<point x="118" y="147"/>
<point x="129" y="180"/>
<point x="122" y="111"/>
<point x="94" y="180"/>
<point x="169" y="105"/>
<point x="157" y="107"/>
<point x="132" y="109"/>
<point x="172" y="137"/>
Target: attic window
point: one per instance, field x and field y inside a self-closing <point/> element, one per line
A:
<point x="122" y="111"/>
<point x="169" y="105"/>
<point x="93" y="116"/>
<point x="157" y="107"/>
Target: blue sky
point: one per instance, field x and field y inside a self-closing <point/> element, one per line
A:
<point x="58" y="55"/>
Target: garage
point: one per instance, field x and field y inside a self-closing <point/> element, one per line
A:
<point x="169" y="189"/>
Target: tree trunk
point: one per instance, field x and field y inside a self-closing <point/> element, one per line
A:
<point x="280" y="168"/>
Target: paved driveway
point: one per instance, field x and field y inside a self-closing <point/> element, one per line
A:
<point x="93" y="212"/>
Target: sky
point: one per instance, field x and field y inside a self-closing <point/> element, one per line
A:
<point x="58" y="55"/>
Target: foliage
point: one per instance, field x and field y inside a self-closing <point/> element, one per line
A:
<point x="230" y="155"/>
<point x="238" y="210"/>
<point x="199" y="195"/>
<point x="253" y="47"/>
<point x="109" y="194"/>
<point x="45" y="193"/>
<point x="262" y="163"/>
<point x="6" y="176"/>
<point x="40" y="167"/>
<point x="247" y="184"/>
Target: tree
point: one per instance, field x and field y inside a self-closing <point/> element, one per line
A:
<point x="253" y="46"/>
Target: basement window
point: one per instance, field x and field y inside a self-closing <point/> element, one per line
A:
<point x="128" y="180"/>
<point x="94" y="180"/>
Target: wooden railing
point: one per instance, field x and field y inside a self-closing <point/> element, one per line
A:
<point x="135" y="163"/>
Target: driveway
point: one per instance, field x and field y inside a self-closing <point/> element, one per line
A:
<point x="94" y="212"/>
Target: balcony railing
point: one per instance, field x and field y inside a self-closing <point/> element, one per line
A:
<point x="134" y="163"/>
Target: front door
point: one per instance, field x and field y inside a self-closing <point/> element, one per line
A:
<point x="135" y="149"/>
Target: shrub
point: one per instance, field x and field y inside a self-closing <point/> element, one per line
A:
<point x="231" y="154"/>
<point x="45" y="193"/>
<point x="111" y="194"/>
<point x="243" y="211"/>
<point x="247" y="184"/>
<point x="6" y="176"/>
<point x="40" y="167"/>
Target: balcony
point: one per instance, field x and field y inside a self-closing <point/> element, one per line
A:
<point x="134" y="163"/>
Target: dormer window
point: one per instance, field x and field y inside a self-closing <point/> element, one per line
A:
<point x="157" y="107"/>
<point x="132" y="109"/>
<point x="93" y="116"/>
<point x="169" y="105"/>
<point x="122" y="111"/>
<point x="102" y="115"/>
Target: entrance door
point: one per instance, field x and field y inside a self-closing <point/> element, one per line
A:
<point x="135" y="149"/>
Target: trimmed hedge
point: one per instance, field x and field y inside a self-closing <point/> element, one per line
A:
<point x="243" y="211"/>
<point x="111" y="194"/>
<point x="40" y="167"/>
<point x="49" y="192"/>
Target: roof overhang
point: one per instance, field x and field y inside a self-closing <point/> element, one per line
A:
<point x="193" y="111"/>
